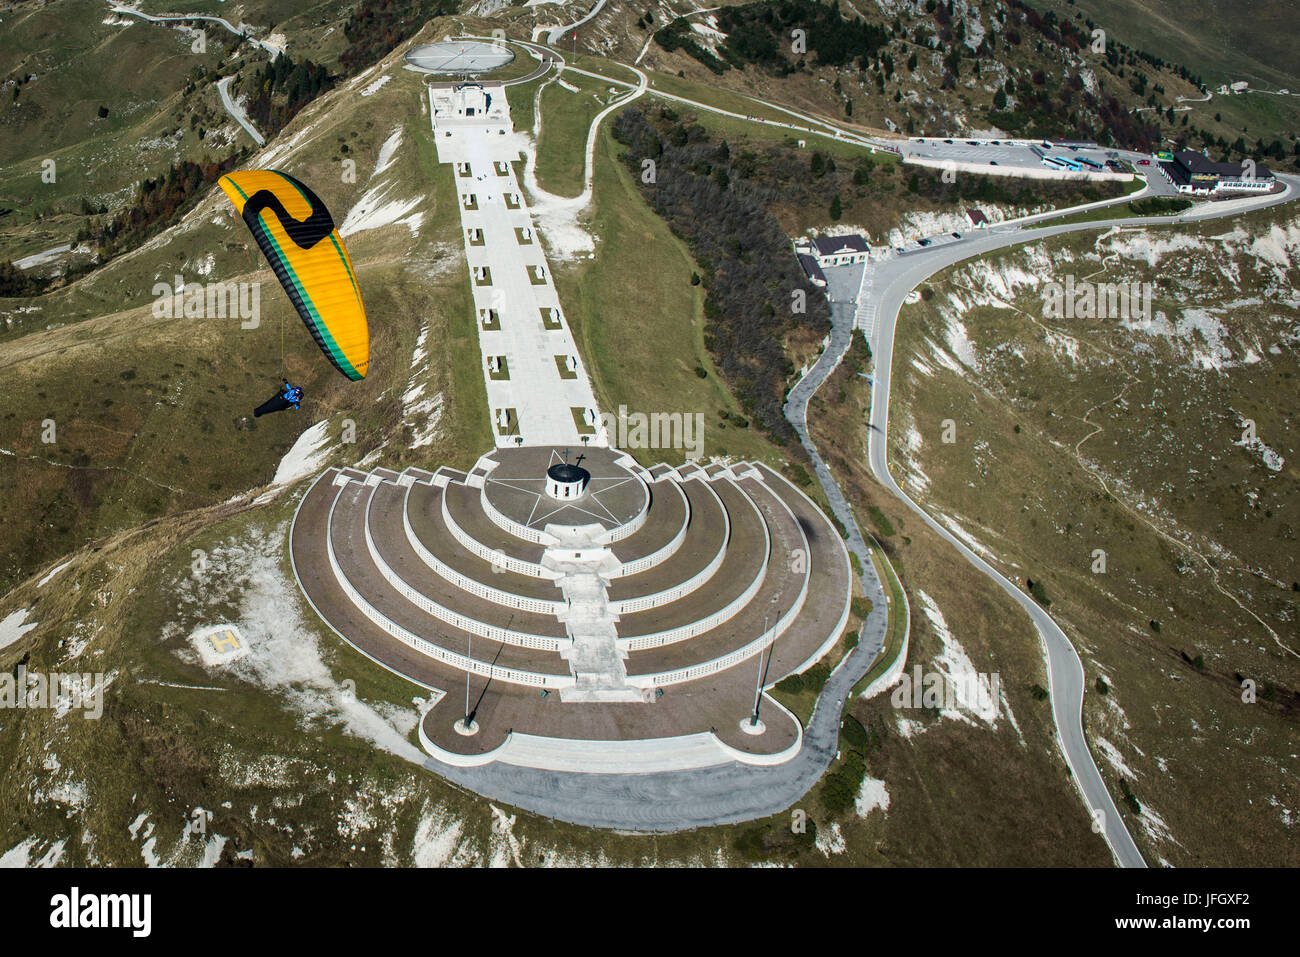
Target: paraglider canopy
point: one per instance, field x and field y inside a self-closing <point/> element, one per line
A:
<point x="297" y="235"/>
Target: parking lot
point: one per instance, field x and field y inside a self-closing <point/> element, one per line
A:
<point x="1007" y="153"/>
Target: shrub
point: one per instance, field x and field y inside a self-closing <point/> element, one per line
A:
<point x="854" y="733"/>
<point x="881" y="522"/>
<point x="1039" y="592"/>
<point x="791" y="684"/>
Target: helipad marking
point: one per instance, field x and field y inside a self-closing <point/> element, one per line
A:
<point x="219" y="644"/>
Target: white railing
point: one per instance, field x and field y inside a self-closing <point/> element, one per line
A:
<point x="658" y="557"/>
<point x="663" y="678"/>
<point x="472" y="585"/>
<point x="423" y="645"/>
<point x="695" y="628"/>
<point x="454" y="618"/>
<point x="497" y="557"/>
<point x="746" y="651"/>
<point x="682" y="589"/>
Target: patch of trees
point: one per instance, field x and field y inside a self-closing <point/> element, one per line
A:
<point x="1039" y="591"/>
<point x="1066" y="111"/>
<point x="719" y="205"/>
<point x="843" y="783"/>
<point x="157" y="202"/>
<point x="282" y="88"/>
<point x="1160" y="205"/>
<point x="814" y="679"/>
<point x="1009" y="190"/>
<point x="679" y="36"/>
<point x="15" y="282"/>
<point x="377" y="26"/>
<point x="759" y="34"/>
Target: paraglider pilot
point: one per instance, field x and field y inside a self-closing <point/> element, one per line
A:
<point x="289" y="396"/>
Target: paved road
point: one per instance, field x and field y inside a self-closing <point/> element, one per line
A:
<point x="238" y="115"/>
<point x="890" y="282"/>
<point x="270" y="48"/>
<point x="842" y="289"/>
<point x="555" y="34"/>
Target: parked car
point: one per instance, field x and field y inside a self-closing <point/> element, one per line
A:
<point x="1144" y="162"/>
<point x="993" y="162"/>
<point x="956" y="235"/>
<point x="923" y="242"/>
<point x="949" y="142"/>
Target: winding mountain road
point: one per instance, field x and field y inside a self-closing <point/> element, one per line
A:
<point x="885" y="285"/>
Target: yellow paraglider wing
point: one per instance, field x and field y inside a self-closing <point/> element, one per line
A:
<point x="297" y="235"/>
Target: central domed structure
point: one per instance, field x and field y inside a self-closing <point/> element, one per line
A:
<point x="565" y="481"/>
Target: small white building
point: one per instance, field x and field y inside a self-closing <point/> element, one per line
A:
<point x="834" y="250"/>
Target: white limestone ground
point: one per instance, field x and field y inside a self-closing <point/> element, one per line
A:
<point x="969" y="540"/>
<point x="438" y="840"/>
<point x="59" y="786"/>
<point x="423" y="413"/>
<point x="376" y="86"/>
<point x="1114" y="758"/>
<point x="916" y="477"/>
<point x="381" y="205"/>
<point x="1285" y="813"/>
<point x="872" y="796"/>
<point x="830" y="840"/>
<point x="974" y="693"/>
<point x="52" y="572"/>
<point x="920" y="223"/>
<point x="14" y="626"/>
<point x="1155" y="827"/>
<point x="33" y="852"/>
<point x="1200" y="334"/>
<point x="1272" y="459"/>
<point x="307" y="457"/>
<point x="284" y="655"/>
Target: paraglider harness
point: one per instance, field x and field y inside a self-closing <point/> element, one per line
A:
<point x="289" y="397"/>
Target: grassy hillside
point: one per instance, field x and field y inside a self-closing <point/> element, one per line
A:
<point x="1240" y="40"/>
<point x="1124" y="441"/>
